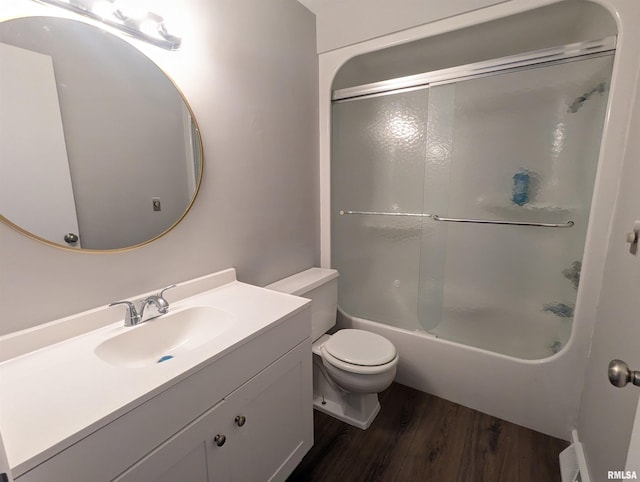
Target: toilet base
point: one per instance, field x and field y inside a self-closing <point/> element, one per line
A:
<point x="361" y="415"/>
<point x="357" y="409"/>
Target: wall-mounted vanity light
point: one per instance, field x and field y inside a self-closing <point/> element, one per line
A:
<point x="143" y="25"/>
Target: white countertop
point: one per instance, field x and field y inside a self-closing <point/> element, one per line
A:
<point x="58" y="394"/>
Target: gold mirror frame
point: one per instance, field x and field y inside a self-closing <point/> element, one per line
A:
<point x="197" y="150"/>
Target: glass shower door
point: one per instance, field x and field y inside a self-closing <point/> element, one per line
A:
<point x="378" y="146"/>
<point x="447" y="183"/>
<point x="522" y="147"/>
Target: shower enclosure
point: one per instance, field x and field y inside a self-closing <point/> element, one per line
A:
<point x="461" y="197"/>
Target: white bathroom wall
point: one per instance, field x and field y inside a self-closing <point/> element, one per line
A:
<point x="345" y="22"/>
<point x="249" y="71"/>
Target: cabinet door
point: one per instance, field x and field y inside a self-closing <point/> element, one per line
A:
<point x="265" y="427"/>
<point x="272" y="419"/>
<point x="185" y="457"/>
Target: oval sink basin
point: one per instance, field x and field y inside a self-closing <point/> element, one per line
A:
<point x="163" y="338"/>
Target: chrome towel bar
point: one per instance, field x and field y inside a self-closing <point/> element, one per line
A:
<point x="568" y="224"/>
<point x="435" y="217"/>
<point x="376" y="213"/>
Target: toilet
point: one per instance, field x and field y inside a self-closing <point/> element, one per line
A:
<point x="350" y="367"/>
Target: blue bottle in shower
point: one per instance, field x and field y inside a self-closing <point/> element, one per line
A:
<point x="521" y="181"/>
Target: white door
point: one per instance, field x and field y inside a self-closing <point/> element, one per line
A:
<point x="35" y="185"/>
<point x="5" y="473"/>
<point x="607" y="413"/>
<point x="633" y="456"/>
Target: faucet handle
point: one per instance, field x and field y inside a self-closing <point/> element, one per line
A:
<point x="161" y="293"/>
<point x="161" y="304"/>
<point x="132" y="317"/>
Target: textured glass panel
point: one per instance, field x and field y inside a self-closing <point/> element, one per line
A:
<point x="378" y="147"/>
<point x="525" y="148"/>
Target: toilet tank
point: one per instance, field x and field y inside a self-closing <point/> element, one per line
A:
<point x="320" y="285"/>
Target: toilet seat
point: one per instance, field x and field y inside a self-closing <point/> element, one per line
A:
<point x="359" y="351"/>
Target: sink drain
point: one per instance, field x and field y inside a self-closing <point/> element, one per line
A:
<point x="165" y="358"/>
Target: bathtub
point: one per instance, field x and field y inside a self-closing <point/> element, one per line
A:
<point x="538" y="394"/>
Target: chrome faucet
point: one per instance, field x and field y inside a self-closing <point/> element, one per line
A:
<point x="157" y="303"/>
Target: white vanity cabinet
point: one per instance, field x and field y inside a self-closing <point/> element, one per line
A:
<point x="168" y="435"/>
<point x="259" y="432"/>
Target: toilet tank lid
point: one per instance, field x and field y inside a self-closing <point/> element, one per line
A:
<point x="303" y="282"/>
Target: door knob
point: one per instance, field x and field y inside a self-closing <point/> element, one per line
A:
<point x="71" y="238"/>
<point x="240" y="420"/>
<point x="620" y="375"/>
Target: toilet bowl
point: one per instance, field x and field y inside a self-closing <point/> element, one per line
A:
<point x="350" y="367"/>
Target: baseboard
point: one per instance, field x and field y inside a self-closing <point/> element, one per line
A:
<point x="573" y="465"/>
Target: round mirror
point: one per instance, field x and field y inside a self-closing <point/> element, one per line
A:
<point x="98" y="148"/>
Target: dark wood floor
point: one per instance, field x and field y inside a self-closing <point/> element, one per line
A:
<point x="419" y="437"/>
